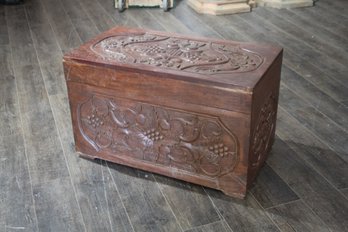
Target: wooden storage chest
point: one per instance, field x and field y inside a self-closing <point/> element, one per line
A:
<point x="196" y="109"/>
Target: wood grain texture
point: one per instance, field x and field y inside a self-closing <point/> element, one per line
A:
<point x="101" y="207"/>
<point x="213" y="22"/>
<point x="10" y="117"/>
<point x="312" y="27"/>
<point x="296" y="216"/>
<point x="48" y="170"/>
<point x="100" y="204"/>
<point x="63" y="28"/>
<point x="345" y="192"/>
<point x="242" y="215"/>
<point x="116" y="16"/>
<point x="94" y="189"/>
<point x="169" y="22"/>
<point x="36" y="14"/>
<point x="304" y="67"/>
<point x="325" y="19"/>
<point x="18" y="209"/>
<point x="309" y="72"/>
<point x="144" y="19"/>
<point x="37" y="116"/>
<point x="315" y="121"/>
<point x="220" y="226"/>
<point x="4" y="39"/>
<point x="335" y="9"/>
<point x="319" y="195"/>
<point x="98" y="15"/>
<point x="290" y="42"/>
<point x="313" y="96"/>
<point x="193" y="22"/>
<point x="313" y="150"/>
<point x="80" y="19"/>
<point x="270" y="190"/>
<point x="191" y="205"/>
<point x="147" y="208"/>
<point x="17" y="205"/>
<point x="320" y="45"/>
<point x="49" y="55"/>
<point x="56" y="210"/>
<point x="88" y="93"/>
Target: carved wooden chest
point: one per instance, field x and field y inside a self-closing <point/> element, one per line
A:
<point x="196" y="109"/>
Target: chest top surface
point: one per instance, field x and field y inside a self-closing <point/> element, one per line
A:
<point x="176" y="56"/>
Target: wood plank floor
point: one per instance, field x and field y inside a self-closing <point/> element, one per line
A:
<point x="44" y="186"/>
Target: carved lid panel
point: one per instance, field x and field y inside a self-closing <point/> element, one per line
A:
<point x="216" y="62"/>
<point x="189" y="55"/>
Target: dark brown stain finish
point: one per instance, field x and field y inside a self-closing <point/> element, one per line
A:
<point x="195" y="109"/>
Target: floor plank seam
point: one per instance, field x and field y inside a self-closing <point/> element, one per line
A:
<point x="208" y="26"/>
<point x="268" y="216"/>
<point x="55" y="122"/>
<point x="22" y="124"/>
<point x="315" y="107"/>
<point x="118" y="192"/>
<point x="106" y="165"/>
<point x="216" y="209"/>
<point x="112" y="16"/>
<point x="85" y="12"/>
<point x="310" y="62"/>
<point x="165" y="198"/>
<point x="202" y="226"/>
<point x="304" y="202"/>
<point x="311" y="166"/>
<point x="105" y="194"/>
<point x="342" y="192"/>
<point x="328" y="29"/>
<point x="282" y="204"/>
<point x="329" y="8"/>
<point x="313" y="134"/>
<point x="333" y="46"/>
<point x="285" y="62"/>
<point x="300" y="40"/>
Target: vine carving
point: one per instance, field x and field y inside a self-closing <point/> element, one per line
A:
<point x="263" y="132"/>
<point x="195" y="143"/>
<point x="176" y="53"/>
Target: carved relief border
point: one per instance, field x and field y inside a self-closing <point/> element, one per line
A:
<point x="262" y="135"/>
<point x="177" y="54"/>
<point x="199" y="144"/>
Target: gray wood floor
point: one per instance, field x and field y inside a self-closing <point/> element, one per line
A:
<point x="44" y="186"/>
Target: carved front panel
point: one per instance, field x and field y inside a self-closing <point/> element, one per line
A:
<point x="263" y="131"/>
<point x="195" y="143"/>
<point x="177" y="53"/>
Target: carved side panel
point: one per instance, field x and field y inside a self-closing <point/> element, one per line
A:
<point x="262" y="136"/>
<point x="194" y="143"/>
<point x="176" y="53"/>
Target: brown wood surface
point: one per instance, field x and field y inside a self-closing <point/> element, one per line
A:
<point x="183" y="102"/>
<point x="322" y="207"/>
<point x="267" y="53"/>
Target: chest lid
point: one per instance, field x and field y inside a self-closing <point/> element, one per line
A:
<point x="215" y="62"/>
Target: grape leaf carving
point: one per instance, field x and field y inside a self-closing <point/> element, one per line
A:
<point x="263" y="132"/>
<point x="178" y="54"/>
<point x="190" y="142"/>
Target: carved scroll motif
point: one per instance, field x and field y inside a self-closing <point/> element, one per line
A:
<point x="194" y="143"/>
<point x="262" y="138"/>
<point x="178" y="54"/>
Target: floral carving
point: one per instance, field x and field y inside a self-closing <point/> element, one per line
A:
<point x="264" y="130"/>
<point x="195" y="143"/>
<point x="178" y="54"/>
